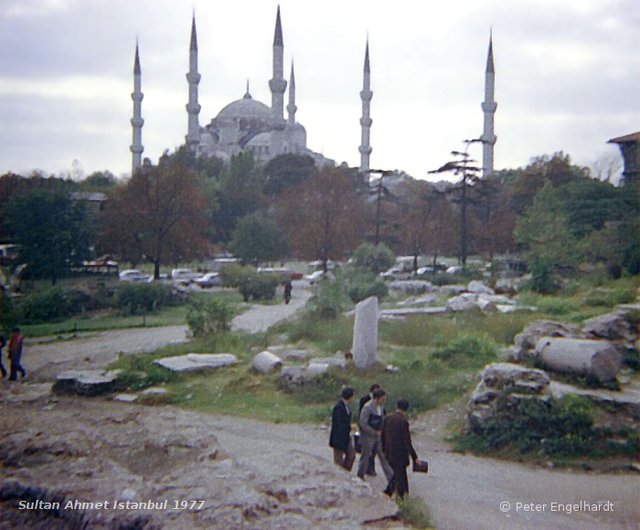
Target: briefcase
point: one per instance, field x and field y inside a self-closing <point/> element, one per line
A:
<point x="356" y="442"/>
<point x="421" y="466"/>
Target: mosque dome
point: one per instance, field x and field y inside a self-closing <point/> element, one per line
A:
<point x="245" y="108"/>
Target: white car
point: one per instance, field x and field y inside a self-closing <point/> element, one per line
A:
<point x="134" y="275"/>
<point x="316" y="276"/>
<point x="211" y="279"/>
<point x="184" y="276"/>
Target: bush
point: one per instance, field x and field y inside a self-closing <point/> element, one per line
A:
<point x="366" y="285"/>
<point x="44" y="306"/>
<point x="233" y="275"/>
<point x="207" y="317"/>
<point x="562" y="427"/>
<point x="329" y="301"/>
<point x="373" y="258"/>
<point x="555" y="306"/>
<point x="610" y="298"/>
<point x="138" y="298"/>
<point x="259" y="286"/>
<point x="415" y="512"/>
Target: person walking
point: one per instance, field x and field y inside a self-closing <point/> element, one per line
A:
<point x="15" y="355"/>
<point x="397" y="448"/>
<point x="2" y="368"/>
<point x="363" y="401"/>
<point x="371" y="423"/>
<point x="344" y="453"/>
<point x="288" y="287"/>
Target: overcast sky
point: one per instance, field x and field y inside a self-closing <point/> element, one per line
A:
<point x="567" y="76"/>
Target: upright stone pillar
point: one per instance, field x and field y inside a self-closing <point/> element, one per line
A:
<point x="365" y="334"/>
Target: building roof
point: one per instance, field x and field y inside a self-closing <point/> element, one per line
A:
<point x="629" y="138"/>
<point x="247" y="107"/>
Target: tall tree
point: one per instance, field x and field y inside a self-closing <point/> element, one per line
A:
<point x="157" y="216"/>
<point x="256" y="238"/>
<point x="544" y="231"/>
<point x="53" y="231"/>
<point x="286" y="171"/>
<point x="324" y="216"/>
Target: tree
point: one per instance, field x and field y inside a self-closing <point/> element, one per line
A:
<point x="544" y="231"/>
<point x="98" y="181"/>
<point x="239" y="192"/>
<point x="324" y="216"/>
<point x="156" y="216"/>
<point x="462" y="165"/>
<point x="286" y="171"/>
<point x="53" y="232"/>
<point x="373" y="258"/>
<point x="256" y="238"/>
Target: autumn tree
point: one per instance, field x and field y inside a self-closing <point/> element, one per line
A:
<point x="156" y="216"/>
<point x="324" y="215"/>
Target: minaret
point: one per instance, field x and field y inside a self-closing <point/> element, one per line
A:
<point x="277" y="85"/>
<point x="366" y="121"/>
<point x="291" y="107"/>
<point x="489" y="108"/>
<point x="193" y="78"/>
<point x="137" y="122"/>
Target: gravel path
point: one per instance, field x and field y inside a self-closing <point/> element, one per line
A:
<point x="44" y="360"/>
<point x="261" y="317"/>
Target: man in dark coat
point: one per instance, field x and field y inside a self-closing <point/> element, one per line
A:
<point x="15" y="355"/>
<point x="344" y="453"/>
<point x="397" y="447"/>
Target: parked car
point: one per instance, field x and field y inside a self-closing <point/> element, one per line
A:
<point x="211" y="279"/>
<point x="134" y="275"/>
<point x="317" y="276"/>
<point x="184" y="276"/>
<point x="285" y="274"/>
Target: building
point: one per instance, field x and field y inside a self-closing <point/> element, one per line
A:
<point x="630" y="149"/>
<point x="243" y="124"/>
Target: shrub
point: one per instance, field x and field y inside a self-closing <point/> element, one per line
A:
<point x="44" y="306"/>
<point x="207" y="317"/>
<point x="329" y="300"/>
<point x="259" y="286"/>
<point x="415" y="512"/>
<point x="610" y="298"/>
<point x="373" y="258"/>
<point x="366" y="285"/>
<point x="233" y="275"/>
<point x="138" y="298"/>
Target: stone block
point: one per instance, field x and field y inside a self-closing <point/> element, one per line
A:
<point x="365" y="333"/>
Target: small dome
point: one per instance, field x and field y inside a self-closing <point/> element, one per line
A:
<point x="247" y="107"/>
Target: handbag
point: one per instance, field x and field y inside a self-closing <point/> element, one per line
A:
<point x="421" y="466"/>
<point x="375" y="422"/>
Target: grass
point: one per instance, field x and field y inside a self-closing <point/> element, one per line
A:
<point x="415" y="512"/>
<point x="105" y="320"/>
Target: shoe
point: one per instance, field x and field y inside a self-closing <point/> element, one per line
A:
<point x="372" y="473"/>
<point x="361" y="477"/>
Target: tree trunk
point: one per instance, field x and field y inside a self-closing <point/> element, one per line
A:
<point x="156" y="269"/>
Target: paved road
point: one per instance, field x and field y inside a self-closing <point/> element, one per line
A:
<point x="261" y="317"/>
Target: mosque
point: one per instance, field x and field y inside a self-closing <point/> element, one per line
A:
<point x="248" y="124"/>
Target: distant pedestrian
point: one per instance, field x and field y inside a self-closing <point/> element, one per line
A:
<point x="397" y="447"/>
<point x="340" y="438"/>
<point x="15" y="355"/>
<point x="371" y="423"/>
<point x="363" y="401"/>
<point x="288" y="287"/>
<point x="2" y="368"/>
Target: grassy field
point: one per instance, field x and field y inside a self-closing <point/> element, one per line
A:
<point x="438" y="357"/>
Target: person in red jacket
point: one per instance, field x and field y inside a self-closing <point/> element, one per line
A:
<point x="397" y="447"/>
<point x="15" y="354"/>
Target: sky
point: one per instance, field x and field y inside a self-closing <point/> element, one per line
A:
<point x="567" y="76"/>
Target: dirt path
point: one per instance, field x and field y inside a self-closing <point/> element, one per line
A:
<point x="261" y="317"/>
<point x="45" y="360"/>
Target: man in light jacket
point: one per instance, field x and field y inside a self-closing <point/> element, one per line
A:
<point x="371" y="423"/>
